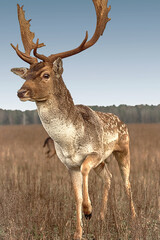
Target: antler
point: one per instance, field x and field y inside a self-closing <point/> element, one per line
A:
<point x="102" y="18"/>
<point x="27" y="38"/>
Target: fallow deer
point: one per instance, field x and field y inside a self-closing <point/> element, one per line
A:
<point x="83" y="138"/>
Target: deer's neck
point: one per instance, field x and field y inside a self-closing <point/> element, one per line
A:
<point x="59" y="115"/>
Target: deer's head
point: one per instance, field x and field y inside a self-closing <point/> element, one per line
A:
<point x="41" y="79"/>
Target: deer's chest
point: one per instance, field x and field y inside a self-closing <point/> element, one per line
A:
<point x="73" y="157"/>
<point x="56" y="126"/>
<point x="72" y="144"/>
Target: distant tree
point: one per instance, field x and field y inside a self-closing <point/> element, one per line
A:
<point x="128" y="114"/>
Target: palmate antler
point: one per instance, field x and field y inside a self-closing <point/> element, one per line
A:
<point x="27" y="37"/>
<point x="102" y="18"/>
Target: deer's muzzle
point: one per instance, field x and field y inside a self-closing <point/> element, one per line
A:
<point x="22" y="93"/>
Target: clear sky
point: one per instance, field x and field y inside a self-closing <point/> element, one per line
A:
<point x="123" y="67"/>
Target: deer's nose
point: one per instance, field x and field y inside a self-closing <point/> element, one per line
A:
<point x="21" y="93"/>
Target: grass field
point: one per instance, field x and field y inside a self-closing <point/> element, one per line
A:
<point x="36" y="198"/>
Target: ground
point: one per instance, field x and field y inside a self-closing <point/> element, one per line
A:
<point x="37" y="201"/>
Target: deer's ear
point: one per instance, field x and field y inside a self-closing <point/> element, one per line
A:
<point x="19" y="71"/>
<point x="58" y="66"/>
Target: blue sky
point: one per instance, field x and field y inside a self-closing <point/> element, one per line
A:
<point x="123" y="67"/>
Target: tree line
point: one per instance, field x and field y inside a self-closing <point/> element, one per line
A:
<point x="15" y="117"/>
<point x="128" y="114"/>
<point x="133" y="114"/>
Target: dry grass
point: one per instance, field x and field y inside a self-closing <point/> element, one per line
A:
<point x="36" y="198"/>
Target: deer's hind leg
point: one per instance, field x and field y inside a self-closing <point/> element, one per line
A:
<point x="123" y="159"/>
<point x="103" y="172"/>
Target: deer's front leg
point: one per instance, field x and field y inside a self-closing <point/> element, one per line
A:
<point x="76" y="178"/>
<point x="90" y="162"/>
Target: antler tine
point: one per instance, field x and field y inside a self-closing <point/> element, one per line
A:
<point x="40" y="56"/>
<point x="53" y="57"/>
<point x="23" y="56"/>
<point x="27" y="38"/>
<point x="102" y="18"/>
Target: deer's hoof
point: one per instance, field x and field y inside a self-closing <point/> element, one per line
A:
<point x="88" y="216"/>
<point x="87" y="209"/>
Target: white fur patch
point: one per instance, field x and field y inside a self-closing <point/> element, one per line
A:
<point x="110" y="137"/>
<point x="57" y="128"/>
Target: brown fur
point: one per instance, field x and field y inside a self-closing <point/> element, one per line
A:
<point x="83" y="138"/>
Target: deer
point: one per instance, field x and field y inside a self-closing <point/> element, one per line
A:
<point x="83" y="138"/>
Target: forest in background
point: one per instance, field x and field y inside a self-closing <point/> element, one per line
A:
<point x="128" y="114"/>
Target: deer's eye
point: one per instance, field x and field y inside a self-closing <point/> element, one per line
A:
<point x="46" y="76"/>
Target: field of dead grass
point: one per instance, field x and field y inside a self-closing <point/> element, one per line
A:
<point x="36" y="198"/>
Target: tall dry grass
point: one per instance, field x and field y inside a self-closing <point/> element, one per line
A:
<point x="36" y="198"/>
